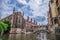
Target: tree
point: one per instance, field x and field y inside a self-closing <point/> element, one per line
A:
<point x="9" y="24"/>
<point x="3" y="27"/>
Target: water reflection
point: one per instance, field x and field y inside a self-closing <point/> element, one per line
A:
<point x="41" y="36"/>
<point x="4" y="37"/>
<point x="18" y="37"/>
<point x="38" y="36"/>
<point x="22" y="36"/>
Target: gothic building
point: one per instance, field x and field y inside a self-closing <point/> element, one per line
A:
<point x="54" y="17"/>
<point x="17" y="20"/>
<point x="30" y="25"/>
<point x="18" y="23"/>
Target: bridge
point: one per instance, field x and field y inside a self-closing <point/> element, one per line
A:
<point x="41" y="29"/>
<point x="34" y="28"/>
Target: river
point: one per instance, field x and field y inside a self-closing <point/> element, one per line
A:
<point x="31" y="36"/>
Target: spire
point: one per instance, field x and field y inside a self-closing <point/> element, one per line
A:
<point x="13" y="9"/>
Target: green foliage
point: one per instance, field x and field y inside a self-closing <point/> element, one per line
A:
<point x="3" y="26"/>
<point x="8" y="22"/>
<point x="5" y="37"/>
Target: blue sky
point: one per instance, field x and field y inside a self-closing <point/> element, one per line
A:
<point x="36" y="9"/>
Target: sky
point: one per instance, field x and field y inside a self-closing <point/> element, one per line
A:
<point x="35" y="9"/>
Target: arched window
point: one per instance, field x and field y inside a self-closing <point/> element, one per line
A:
<point x="56" y="2"/>
<point x="55" y="21"/>
<point x="52" y="1"/>
<point x="58" y="10"/>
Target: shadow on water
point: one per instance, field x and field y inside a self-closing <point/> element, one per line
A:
<point x="18" y="37"/>
<point x="4" y="37"/>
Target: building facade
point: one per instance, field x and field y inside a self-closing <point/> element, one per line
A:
<point x="30" y="25"/>
<point x="17" y="21"/>
<point x="54" y="17"/>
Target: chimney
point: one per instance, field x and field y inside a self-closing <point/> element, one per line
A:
<point x="28" y="18"/>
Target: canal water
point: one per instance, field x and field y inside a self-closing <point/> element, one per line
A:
<point x="30" y="36"/>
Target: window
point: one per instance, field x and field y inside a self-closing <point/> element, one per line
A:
<point x="49" y="9"/>
<point x="16" y="26"/>
<point x="56" y="2"/>
<point x="59" y="17"/>
<point x="46" y="27"/>
<point x="19" y="20"/>
<point x="43" y="35"/>
<point x="55" y="21"/>
<point x="58" y="10"/>
<point x="57" y="30"/>
<point x="16" y="20"/>
<point x="52" y="1"/>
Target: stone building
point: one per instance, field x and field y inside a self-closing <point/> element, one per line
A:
<point x="57" y="29"/>
<point x="54" y="17"/>
<point x="30" y="25"/>
<point x="58" y="8"/>
<point x="17" y="22"/>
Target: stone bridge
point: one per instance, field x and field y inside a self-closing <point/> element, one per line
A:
<point x="41" y="29"/>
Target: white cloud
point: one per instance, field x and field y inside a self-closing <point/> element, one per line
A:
<point x="35" y="6"/>
<point x="6" y="8"/>
<point x="37" y="9"/>
<point x="22" y="1"/>
<point x="5" y="14"/>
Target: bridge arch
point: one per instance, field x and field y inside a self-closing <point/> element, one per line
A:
<point x="41" y="31"/>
